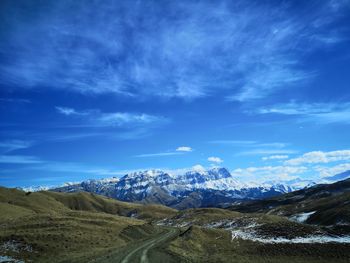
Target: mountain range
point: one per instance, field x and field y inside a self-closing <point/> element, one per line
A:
<point x="191" y="189"/>
<point x="308" y="225"/>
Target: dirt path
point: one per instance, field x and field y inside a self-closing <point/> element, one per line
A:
<point x="139" y="253"/>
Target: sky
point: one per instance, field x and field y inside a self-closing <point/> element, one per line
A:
<point x="96" y="89"/>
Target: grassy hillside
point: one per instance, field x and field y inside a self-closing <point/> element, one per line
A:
<point x="97" y="203"/>
<point x="52" y="202"/>
<point x="200" y="244"/>
<point x="327" y="204"/>
<point x="218" y="235"/>
<point x="83" y="227"/>
<point x="55" y="227"/>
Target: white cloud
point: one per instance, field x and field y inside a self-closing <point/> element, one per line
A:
<point x="198" y="168"/>
<point x="19" y="159"/>
<point x="265" y="173"/>
<point x="247" y="143"/>
<point x="216" y="160"/>
<point x="120" y="118"/>
<point x="305" y="166"/>
<point x="322" y="113"/>
<point x="267" y="151"/>
<point x="95" y="117"/>
<point x="272" y="145"/>
<point x="12" y="145"/>
<point x="15" y="100"/>
<point x="330" y="171"/>
<point x="320" y="157"/>
<point x="196" y="52"/>
<point x="66" y="111"/>
<point x="275" y="157"/>
<point x="184" y="149"/>
<point x="233" y="142"/>
<point x="158" y="154"/>
<point x="179" y="151"/>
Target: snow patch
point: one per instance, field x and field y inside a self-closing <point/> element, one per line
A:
<point x="246" y="235"/>
<point x="7" y="259"/>
<point x="15" y="246"/>
<point x="302" y="217"/>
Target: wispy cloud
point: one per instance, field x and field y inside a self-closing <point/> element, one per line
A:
<point x="265" y="173"/>
<point x="15" y="100"/>
<point x="216" y="160"/>
<point x="12" y="145"/>
<point x="71" y="167"/>
<point x="98" y="118"/>
<point x="67" y="111"/>
<point x="233" y="142"/>
<point x="320" y="157"/>
<point x="267" y="152"/>
<point x="275" y="157"/>
<point x="322" y="113"/>
<point x="184" y="149"/>
<point x="19" y="159"/>
<point x="30" y="164"/>
<point x="255" y="147"/>
<point x="178" y="151"/>
<point x="247" y="143"/>
<point x="243" y="49"/>
<point x="158" y="154"/>
<point x="314" y="165"/>
<point x="330" y="171"/>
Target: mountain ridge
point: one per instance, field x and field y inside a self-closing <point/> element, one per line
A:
<point x="190" y="189"/>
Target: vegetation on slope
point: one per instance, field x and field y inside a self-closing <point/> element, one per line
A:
<point x="327" y="204"/>
<point x="54" y="227"/>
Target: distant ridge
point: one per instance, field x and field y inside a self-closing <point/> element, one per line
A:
<point x="215" y="187"/>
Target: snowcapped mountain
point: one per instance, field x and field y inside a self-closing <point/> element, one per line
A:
<point x="290" y="185"/>
<point x="194" y="188"/>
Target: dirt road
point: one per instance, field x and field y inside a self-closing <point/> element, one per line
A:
<point x="139" y="253"/>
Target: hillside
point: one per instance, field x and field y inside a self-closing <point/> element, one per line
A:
<point x="55" y="227"/>
<point x="219" y="235"/>
<point x="84" y="227"/>
<point x="326" y="204"/>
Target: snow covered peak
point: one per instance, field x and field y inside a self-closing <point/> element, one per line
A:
<point x="170" y="188"/>
<point x="146" y="173"/>
<point x="198" y="168"/>
<point x="288" y="185"/>
<point x="220" y="171"/>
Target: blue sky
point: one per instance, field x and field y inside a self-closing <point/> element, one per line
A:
<point x="92" y="90"/>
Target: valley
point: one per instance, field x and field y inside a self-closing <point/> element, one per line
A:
<point x="48" y="226"/>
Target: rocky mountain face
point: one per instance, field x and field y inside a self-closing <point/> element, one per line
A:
<point x="195" y="188"/>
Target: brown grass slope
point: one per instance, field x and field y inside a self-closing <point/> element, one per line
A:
<point x="206" y="237"/>
<point x="56" y="227"/>
<point x="216" y="245"/>
<point x="330" y="202"/>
